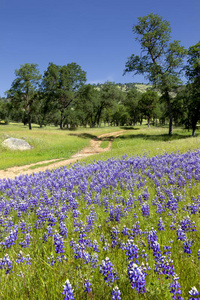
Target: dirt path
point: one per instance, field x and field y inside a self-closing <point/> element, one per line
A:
<point x="94" y="148"/>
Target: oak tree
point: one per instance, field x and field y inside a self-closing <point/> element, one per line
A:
<point x="160" y="60"/>
<point x="24" y="87"/>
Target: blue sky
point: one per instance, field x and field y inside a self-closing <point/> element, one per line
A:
<point x="97" y="35"/>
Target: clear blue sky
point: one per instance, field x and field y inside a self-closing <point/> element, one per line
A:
<point x="96" y="34"/>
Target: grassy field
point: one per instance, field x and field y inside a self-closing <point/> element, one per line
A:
<point x="48" y="143"/>
<point x="122" y="225"/>
<point x="51" y="143"/>
<point x="149" y="141"/>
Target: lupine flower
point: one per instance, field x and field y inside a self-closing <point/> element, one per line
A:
<point x="116" y="293"/>
<point x="145" y="210"/>
<point x="11" y="239"/>
<point x="68" y="291"/>
<point x="6" y="263"/>
<point x="164" y="265"/>
<point x="156" y="250"/>
<point x="193" y="292"/>
<point x="187" y="225"/>
<point x="58" y="242"/>
<point x="175" y="289"/>
<point x="187" y="247"/>
<point x="135" y="230"/>
<point x="106" y="269"/>
<point x="180" y="234"/>
<point x="152" y="237"/>
<point x="131" y="251"/>
<point x="94" y="261"/>
<point x="161" y="225"/>
<point x="137" y="278"/>
<point x="51" y="260"/>
<point x="26" y="242"/>
<point x="63" y="230"/>
<point x="20" y="257"/>
<point x="114" y="233"/>
<point x="87" y="285"/>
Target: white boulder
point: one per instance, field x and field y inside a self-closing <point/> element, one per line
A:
<point x="16" y="144"/>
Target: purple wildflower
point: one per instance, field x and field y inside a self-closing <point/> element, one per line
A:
<point x="187" y="247"/>
<point x="106" y="269"/>
<point x="67" y="291"/>
<point x="145" y="210"/>
<point x="137" y="278"/>
<point x="87" y="285"/>
<point x="58" y="242"/>
<point x="161" y="225"/>
<point x="131" y="251"/>
<point x="194" y="292"/>
<point x="116" y="293"/>
<point x="175" y="289"/>
<point x="6" y="263"/>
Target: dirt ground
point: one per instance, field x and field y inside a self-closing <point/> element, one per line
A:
<point x="94" y="148"/>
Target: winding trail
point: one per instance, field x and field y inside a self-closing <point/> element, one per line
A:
<point x="94" y="148"/>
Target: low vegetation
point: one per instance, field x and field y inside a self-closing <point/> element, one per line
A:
<point x="121" y="226"/>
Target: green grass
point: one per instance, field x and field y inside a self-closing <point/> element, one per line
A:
<point x="48" y="143"/>
<point x="42" y="281"/>
<point x="104" y="144"/>
<point x="51" y="143"/>
<point x="44" y="164"/>
<point x="149" y="141"/>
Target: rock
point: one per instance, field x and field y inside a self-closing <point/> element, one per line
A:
<point x="16" y="144"/>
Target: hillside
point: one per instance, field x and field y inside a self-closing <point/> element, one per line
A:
<point x="141" y="87"/>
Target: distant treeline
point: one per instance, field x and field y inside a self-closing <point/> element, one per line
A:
<point x="62" y="98"/>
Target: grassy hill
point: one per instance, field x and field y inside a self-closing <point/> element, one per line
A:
<point x="141" y="87"/>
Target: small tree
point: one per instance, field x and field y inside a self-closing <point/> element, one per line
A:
<point x="24" y="87"/>
<point x="160" y="59"/>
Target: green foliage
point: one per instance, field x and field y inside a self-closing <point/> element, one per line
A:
<point x="147" y="104"/>
<point x="193" y="74"/>
<point x="62" y="84"/>
<point x="160" y="59"/>
<point x="87" y="104"/>
<point x="24" y="87"/>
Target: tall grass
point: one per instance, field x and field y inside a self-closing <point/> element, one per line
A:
<point x="48" y="143"/>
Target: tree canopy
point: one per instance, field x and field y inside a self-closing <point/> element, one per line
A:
<point x="160" y="60"/>
<point x="24" y="87"/>
<point x="61" y="85"/>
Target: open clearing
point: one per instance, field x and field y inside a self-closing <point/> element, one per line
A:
<point x="94" y="148"/>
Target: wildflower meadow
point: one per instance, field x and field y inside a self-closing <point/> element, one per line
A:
<point x="124" y="228"/>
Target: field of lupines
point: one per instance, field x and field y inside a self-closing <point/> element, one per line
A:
<point x="125" y="228"/>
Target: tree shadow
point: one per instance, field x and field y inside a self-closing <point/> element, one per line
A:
<point x="155" y="137"/>
<point x="129" y="128"/>
<point x="93" y="137"/>
<point x="85" y="136"/>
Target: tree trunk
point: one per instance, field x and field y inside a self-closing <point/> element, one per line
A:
<point x="61" y="119"/>
<point x="169" y="111"/>
<point x="29" y="121"/>
<point x="28" y="109"/>
<point x="193" y="131"/>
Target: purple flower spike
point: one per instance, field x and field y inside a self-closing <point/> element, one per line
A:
<point x="194" y="292"/>
<point x="106" y="268"/>
<point x="87" y="286"/>
<point x="175" y="289"/>
<point x="137" y="278"/>
<point x="116" y="293"/>
<point x="68" y="291"/>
